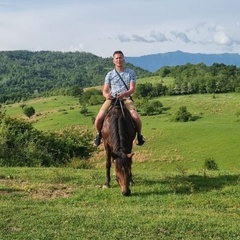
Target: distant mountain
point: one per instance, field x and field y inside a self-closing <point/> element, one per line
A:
<point x="154" y="62"/>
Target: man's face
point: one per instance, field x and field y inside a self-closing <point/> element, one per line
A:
<point x="118" y="59"/>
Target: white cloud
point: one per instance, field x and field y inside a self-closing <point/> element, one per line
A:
<point x="143" y="28"/>
<point x="222" y="38"/>
<point x="150" y="38"/>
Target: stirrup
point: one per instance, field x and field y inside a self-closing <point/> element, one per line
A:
<point x="97" y="140"/>
<point x="140" y="140"/>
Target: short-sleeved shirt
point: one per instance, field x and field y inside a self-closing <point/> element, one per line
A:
<point x="115" y="83"/>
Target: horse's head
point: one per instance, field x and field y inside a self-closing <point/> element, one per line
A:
<point x="123" y="165"/>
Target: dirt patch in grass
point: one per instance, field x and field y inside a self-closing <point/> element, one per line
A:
<point x="34" y="190"/>
<point x="56" y="191"/>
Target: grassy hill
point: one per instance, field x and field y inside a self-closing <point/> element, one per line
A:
<point x="173" y="197"/>
<point x="214" y="134"/>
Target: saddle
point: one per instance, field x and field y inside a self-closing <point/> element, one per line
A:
<point x="116" y="102"/>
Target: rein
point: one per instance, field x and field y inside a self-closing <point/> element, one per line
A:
<point x="118" y="102"/>
<point x="121" y="105"/>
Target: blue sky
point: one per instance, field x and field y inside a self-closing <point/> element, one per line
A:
<point x="137" y="27"/>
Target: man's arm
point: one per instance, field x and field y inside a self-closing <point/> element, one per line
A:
<point x="106" y="92"/>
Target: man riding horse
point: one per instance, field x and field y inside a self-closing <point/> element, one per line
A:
<point x="120" y="83"/>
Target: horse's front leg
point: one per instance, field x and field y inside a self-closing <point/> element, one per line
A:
<point x="108" y="167"/>
<point x="131" y="179"/>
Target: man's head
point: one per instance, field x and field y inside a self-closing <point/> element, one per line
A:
<point x="118" y="58"/>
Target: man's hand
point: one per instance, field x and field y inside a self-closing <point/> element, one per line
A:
<point x="121" y="96"/>
<point x="108" y="96"/>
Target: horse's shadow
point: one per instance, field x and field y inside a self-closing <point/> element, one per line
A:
<point x="185" y="184"/>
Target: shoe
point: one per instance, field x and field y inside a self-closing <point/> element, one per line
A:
<point x="140" y="140"/>
<point x="97" y="140"/>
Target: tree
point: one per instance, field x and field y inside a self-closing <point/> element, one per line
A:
<point x="25" y="74"/>
<point x="29" y="111"/>
<point x="75" y="91"/>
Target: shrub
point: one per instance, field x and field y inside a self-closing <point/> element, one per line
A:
<point x="23" y="145"/>
<point x="152" y="107"/>
<point x="210" y="164"/>
<point x="182" y="115"/>
<point x="29" y="111"/>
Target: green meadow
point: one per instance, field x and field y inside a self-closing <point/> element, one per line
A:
<point x="214" y="133"/>
<point x="174" y="196"/>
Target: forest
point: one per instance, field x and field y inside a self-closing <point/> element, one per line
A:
<point x="25" y="75"/>
<point x="199" y="78"/>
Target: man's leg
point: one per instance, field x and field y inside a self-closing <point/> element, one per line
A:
<point x="138" y="123"/>
<point x="99" y="121"/>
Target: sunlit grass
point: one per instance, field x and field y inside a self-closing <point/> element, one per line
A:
<point x="174" y="196"/>
<point x="67" y="203"/>
<point x="214" y="134"/>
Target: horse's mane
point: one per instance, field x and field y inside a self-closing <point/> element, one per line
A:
<point x="119" y="127"/>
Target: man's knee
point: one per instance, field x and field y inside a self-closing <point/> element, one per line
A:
<point x="134" y="114"/>
<point x="100" y="117"/>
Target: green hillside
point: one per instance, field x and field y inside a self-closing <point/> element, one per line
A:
<point x="186" y="176"/>
<point x="215" y="133"/>
<point x="175" y="196"/>
<point x="25" y="75"/>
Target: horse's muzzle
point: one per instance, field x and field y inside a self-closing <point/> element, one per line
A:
<point x="126" y="193"/>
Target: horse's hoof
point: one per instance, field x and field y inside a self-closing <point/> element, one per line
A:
<point x="105" y="186"/>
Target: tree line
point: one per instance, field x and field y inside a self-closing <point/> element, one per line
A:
<point x="26" y="74"/>
<point x="199" y="78"/>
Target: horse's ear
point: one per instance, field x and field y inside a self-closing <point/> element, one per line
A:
<point x="129" y="155"/>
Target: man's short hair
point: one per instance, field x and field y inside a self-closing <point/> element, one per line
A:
<point x="118" y="52"/>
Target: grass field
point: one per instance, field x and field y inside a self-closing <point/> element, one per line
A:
<point x="67" y="203"/>
<point x="174" y="197"/>
<point x="215" y="133"/>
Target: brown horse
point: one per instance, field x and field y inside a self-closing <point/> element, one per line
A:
<point x="118" y="133"/>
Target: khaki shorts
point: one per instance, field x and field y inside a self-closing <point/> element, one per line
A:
<point x="128" y="103"/>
